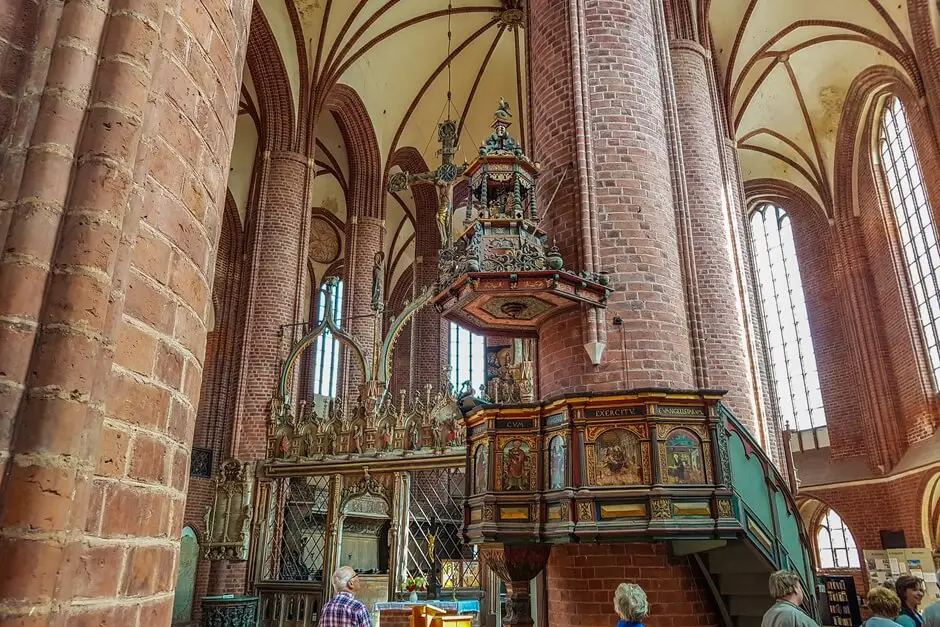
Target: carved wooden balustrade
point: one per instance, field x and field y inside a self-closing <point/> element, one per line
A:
<point x="288" y="604"/>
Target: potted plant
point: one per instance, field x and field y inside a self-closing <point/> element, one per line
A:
<point x="413" y="585"/>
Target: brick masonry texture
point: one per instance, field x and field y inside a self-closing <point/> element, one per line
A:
<point x="117" y="240"/>
<point x="581" y="579"/>
<point x="726" y="359"/>
<point x="93" y="509"/>
<point x="633" y="193"/>
<point x="273" y="287"/>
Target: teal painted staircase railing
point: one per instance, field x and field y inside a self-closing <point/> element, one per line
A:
<point x="773" y="536"/>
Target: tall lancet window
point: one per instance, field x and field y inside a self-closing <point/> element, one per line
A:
<point x="467" y="359"/>
<point x="326" y="350"/>
<point x="785" y="321"/>
<point x="914" y="219"/>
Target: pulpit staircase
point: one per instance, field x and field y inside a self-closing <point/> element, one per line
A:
<point x="772" y="538"/>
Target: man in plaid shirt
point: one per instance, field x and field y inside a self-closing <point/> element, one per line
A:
<point x="343" y="610"/>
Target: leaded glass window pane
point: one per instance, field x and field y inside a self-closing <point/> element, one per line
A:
<point x="467" y="359"/>
<point x="835" y="543"/>
<point x="913" y="217"/>
<point x="326" y="349"/>
<point x="790" y="344"/>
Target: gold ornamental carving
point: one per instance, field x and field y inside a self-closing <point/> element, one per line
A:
<point x="489" y="515"/>
<point x="724" y="508"/>
<point x="661" y="508"/>
<point x="637" y="428"/>
<point x="228" y="519"/>
<point x="585" y="511"/>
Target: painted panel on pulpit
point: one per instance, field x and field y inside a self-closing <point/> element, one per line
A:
<point x="516" y="462"/>
<point x="618" y="458"/>
<point x="557" y="460"/>
<point x="480" y="462"/>
<point x="684" y="458"/>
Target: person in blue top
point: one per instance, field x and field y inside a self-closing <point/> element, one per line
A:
<point x="911" y="592"/>
<point x="631" y="605"/>
<point x="932" y="616"/>
<point x="884" y="605"/>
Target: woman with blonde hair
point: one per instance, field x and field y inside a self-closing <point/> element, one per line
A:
<point x="884" y="605"/>
<point x="631" y="605"/>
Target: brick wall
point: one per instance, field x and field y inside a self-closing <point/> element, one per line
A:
<point x="633" y="193"/>
<point x="20" y="22"/>
<point x="868" y="508"/>
<point x="276" y="280"/>
<point x="581" y="579"/>
<point x="364" y="237"/>
<point x="401" y="356"/>
<point x="719" y="306"/>
<point x="121" y="322"/>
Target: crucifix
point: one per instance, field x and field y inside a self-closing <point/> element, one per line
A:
<point x="434" y="588"/>
<point x="444" y="178"/>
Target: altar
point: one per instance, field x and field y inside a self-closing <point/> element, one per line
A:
<point x="461" y="613"/>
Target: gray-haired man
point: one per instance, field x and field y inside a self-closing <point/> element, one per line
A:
<point x="343" y="610"/>
<point x="785" y="586"/>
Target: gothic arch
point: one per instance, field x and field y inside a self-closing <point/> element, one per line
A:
<point x="366" y="183"/>
<point x="271" y="84"/>
<point x="930" y="509"/>
<point x="880" y="302"/>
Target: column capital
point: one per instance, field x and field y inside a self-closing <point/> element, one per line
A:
<point x="287" y="155"/>
<point x="691" y="46"/>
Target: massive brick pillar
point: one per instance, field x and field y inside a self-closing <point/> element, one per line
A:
<point x="364" y="238"/>
<point x="598" y="113"/>
<point x="275" y="295"/>
<point x="714" y="248"/>
<point x="275" y="292"/>
<point x="103" y="297"/>
<point x="430" y="332"/>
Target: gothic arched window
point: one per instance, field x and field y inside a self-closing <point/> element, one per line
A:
<point x="835" y="543"/>
<point x="914" y="220"/>
<point x="467" y="359"/>
<point x="786" y="325"/>
<point x="326" y="349"/>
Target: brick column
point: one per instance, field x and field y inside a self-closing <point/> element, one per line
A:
<point x="103" y="297"/>
<point x="595" y="67"/>
<point x="429" y="341"/>
<point x="714" y="248"/>
<point x="364" y="237"/>
<point x="276" y="279"/>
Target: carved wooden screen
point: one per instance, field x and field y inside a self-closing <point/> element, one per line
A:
<point x="436" y="499"/>
<point x="297" y="532"/>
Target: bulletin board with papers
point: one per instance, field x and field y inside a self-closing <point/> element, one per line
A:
<point x="892" y="563"/>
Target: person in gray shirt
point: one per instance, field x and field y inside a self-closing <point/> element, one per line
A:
<point x="785" y="586"/>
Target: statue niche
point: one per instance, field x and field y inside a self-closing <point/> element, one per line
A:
<point x="227" y="520"/>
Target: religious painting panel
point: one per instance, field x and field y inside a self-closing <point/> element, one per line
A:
<point x="682" y="459"/>
<point x="517" y="465"/>
<point x="616" y="458"/>
<point x="481" y="459"/>
<point x="557" y="462"/>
